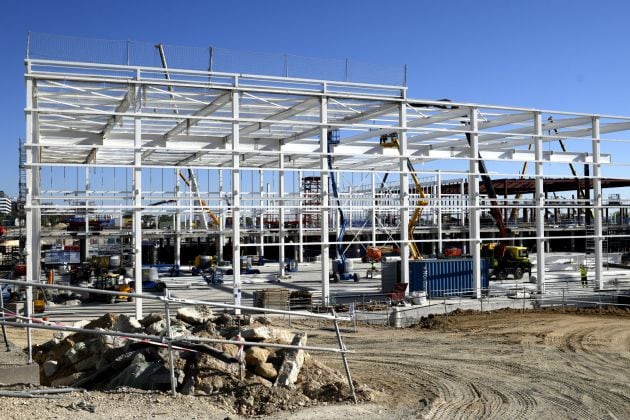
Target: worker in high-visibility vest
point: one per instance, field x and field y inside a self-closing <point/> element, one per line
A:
<point x="583" y="276"/>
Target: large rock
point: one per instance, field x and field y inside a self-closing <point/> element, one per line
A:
<point x="140" y="374"/>
<point x="113" y="341"/>
<point x="255" y="356"/>
<point x="208" y="384"/>
<point x="207" y="362"/>
<point x="66" y="380"/>
<point x="268" y="334"/>
<point x="157" y="328"/>
<point x="266" y="370"/>
<point x="105" y="322"/>
<point x="76" y="353"/>
<point x="292" y="364"/>
<point x="50" y="367"/>
<point x="127" y="324"/>
<point x="87" y="363"/>
<point x="195" y="316"/>
<point x="151" y="319"/>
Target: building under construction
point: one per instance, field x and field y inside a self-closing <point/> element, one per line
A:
<point x="140" y="154"/>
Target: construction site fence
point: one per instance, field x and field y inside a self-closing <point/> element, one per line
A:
<point x="209" y="58"/>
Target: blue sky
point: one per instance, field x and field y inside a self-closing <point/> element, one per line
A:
<point x="567" y="55"/>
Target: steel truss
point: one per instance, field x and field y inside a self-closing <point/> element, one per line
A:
<point x="253" y="139"/>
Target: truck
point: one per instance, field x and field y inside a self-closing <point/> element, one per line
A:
<point x="506" y="260"/>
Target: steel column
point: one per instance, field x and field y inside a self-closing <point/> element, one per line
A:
<point x="404" y="195"/>
<point x="373" y="213"/>
<point x="324" y="238"/>
<point x="137" y="202"/>
<point x="540" y="204"/>
<point x="281" y="254"/>
<point x="300" y="256"/>
<point x="473" y="200"/>
<point x="597" y="213"/>
<point x="236" y="201"/>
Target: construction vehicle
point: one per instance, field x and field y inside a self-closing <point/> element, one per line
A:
<point x="376" y="253"/>
<point x="114" y="283"/>
<point x="452" y="252"/>
<point x="391" y="140"/>
<point x="504" y="259"/>
<point x="341" y="267"/>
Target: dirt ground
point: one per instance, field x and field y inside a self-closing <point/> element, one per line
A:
<point x="505" y="364"/>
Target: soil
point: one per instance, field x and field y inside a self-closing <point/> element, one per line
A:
<point x="504" y="364"/>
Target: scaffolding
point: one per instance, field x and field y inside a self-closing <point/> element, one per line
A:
<point x="111" y="139"/>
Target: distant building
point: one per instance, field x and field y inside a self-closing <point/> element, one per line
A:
<point x="5" y="203"/>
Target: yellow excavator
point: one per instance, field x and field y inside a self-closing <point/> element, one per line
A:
<point x="391" y="140"/>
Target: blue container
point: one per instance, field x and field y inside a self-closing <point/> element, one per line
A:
<point x="446" y="277"/>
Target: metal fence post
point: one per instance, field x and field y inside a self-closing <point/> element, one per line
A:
<point x="170" y="342"/>
<point x="342" y="347"/>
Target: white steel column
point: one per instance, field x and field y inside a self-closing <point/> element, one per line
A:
<point x="178" y="220"/>
<point x="473" y="200"/>
<point x="404" y="196"/>
<point x="540" y="204"/>
<point x="32" y="210"/>
<point x="300" y="256"/>
<point x="222" y="219"/>
<point x="236" y="201"/>
<point x="281" y="254"/>
<point x="86" y="220"/>
<point x="261" y="215"/>
<point x="597" y="213"/>
<point x="438" y="211"/>
<point x="137" y="200"/>
<point x="373" y="215"/>
<point x="325" y="252"/>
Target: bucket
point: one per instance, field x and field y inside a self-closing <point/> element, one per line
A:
<point x="419" y="298"/>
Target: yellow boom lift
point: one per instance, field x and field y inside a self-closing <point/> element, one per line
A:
<point x="391" y="140"/>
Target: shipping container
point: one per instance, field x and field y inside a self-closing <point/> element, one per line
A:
<point x="446" y="277"/>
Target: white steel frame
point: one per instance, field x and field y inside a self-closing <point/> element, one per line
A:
<point x="108" y="117"/>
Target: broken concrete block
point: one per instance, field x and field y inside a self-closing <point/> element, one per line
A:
<point x="268" y="334"/>
<point x="66" y="380"/>
<point x="87" y="363"/>
<point x="266" y="370"/>
<point x="127" y="324"/>
<point x="140" y="374"/>
<point x="50" y="367"/>
<point x="255" y="356"/>
<point x="195" y="316"/>
<point x="209" y="384"/>
<point x="75" y="353"/>
<point x="292" y="364"/>
<point x="157" y="328"/>
<point x="152" y="318"/>
<point x="207" y="362"/>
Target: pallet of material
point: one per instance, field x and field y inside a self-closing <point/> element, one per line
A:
<point x="301" y="299"/>
<point x="272" y="298"/>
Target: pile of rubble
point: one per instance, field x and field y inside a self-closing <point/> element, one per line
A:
<point x="249" y="381"/>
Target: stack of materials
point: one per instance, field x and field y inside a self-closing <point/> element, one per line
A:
<point x="272" y="298"/>
<point x="301" y="299"/>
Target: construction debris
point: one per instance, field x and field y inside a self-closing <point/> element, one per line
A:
<point x="254" y="380"/>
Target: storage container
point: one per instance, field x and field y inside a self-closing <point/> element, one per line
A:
<point x="446" y="277"/>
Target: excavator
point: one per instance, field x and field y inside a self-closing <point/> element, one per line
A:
<point x="391" y="140"/>
<point x="341" y="270"/>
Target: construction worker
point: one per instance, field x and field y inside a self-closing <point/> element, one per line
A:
<point x="583" y="276"/>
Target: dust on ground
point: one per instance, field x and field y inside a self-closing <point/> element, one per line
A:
<point x="505" y="364"/>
